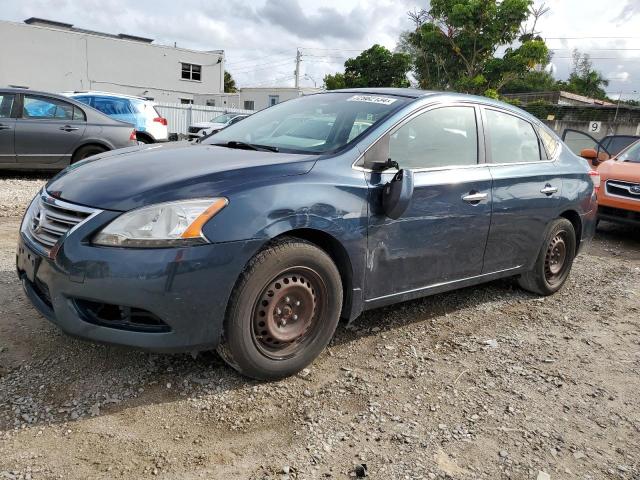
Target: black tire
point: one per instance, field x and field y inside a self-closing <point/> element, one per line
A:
<point x="283" y="311"/>
<point x="144" y="139"/>
<point x="554" y="261"/>
<point x="87" y="151"/>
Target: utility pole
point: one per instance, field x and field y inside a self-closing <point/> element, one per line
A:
<point x="297" y="72"/>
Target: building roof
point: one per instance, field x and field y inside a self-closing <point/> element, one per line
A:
<point x="44" y="22"/>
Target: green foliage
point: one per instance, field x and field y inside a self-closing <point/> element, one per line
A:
<point x="334" y="82"/>
<point x="532" y="81"/>
<point x="229" y="83"/>
<point x="541" y="109"/>
<point x="455" y="42"/>
<point x="375" y="67"/>
<point x="584" y="80"/>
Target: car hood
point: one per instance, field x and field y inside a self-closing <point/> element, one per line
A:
<point x="615" y="169"/>
<point x="208" y="125"/>
<point x="133" y="177"/>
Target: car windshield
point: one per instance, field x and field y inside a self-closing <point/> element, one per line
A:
<point x="223" y="118"/>
<point x="319" y="123"/>
<point x="631" y="154"/>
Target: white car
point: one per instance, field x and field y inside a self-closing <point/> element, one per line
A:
<point x="202" y="129"/>
<point x="151" y="127"/>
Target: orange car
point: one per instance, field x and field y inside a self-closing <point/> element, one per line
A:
<point x="619" y="195"/>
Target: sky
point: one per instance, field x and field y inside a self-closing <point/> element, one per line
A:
<point x="260" y="37"/>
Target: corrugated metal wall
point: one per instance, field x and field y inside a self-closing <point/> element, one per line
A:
<point x="180" y="116"/>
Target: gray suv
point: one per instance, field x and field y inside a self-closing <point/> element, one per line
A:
<point x="46" y="131"/>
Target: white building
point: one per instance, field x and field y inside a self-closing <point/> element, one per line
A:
<point x="53" y="56"/>
<point x="258" y="98"/>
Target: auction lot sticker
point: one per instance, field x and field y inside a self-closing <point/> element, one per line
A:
<point x="372" y="99"/>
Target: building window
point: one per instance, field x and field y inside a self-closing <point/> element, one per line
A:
<point x="249" y="105"/>
<point x="274" y="100"/>
<point x="191" y="72"/>
<point x="186" y="101"/>
<point x="211" y="102"/>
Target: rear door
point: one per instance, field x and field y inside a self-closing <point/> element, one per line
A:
<point x="442" y="236"/>
<point x="7" y="128"/>
<point x="526" y="190"/>
<point x="48" y="130"/>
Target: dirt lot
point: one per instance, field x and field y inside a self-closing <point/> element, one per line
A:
<point x="487" y="382"/>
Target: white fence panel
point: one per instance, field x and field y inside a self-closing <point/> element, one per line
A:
<point x="180" y="116"/>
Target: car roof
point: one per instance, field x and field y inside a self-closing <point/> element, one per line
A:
<point x="398" y="92"/>
<point x="79" y="93"/>
<point x="34" y="92"/>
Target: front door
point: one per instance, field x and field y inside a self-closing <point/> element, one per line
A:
<point x="48" y="130"/>
<point x="527" y="187"/>
<point x="7" y="128"/>
<point x="442" y="236"/>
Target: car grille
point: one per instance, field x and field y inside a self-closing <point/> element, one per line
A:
<point x="49" y="219"/>
<point x="194" y="129"/>
<point x="620" y="188"/>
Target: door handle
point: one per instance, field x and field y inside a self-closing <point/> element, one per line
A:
<point x="68" y="128"/>
<point x="4" y="127"/>
<point x="475" y="197"/>
<point x="549" y="190"/>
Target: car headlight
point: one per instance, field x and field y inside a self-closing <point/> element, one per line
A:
<point x="161" y="225"/>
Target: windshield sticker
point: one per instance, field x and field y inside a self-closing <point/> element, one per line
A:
<point x="372" y="99"/>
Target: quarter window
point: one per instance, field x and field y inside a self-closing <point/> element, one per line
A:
<point x="6" y="104"/>
<point x="40" y="108"/>
<point x="191" y="72"/>
<point x="513" y="140"/>
<point x="549" y="141"/>
<point x="442" y="137"/>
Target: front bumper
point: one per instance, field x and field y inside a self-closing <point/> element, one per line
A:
<point x="186" y="289"/>
<point x="619" y="215"/>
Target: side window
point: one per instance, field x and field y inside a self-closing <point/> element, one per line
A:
<point x="41" y="108"/>
<point x="442" y="137"/>
<point x="6" y="104"/>
<point x="513" y="140"/>
<point x="79" y="115"/>
<point x="549" y="141"/>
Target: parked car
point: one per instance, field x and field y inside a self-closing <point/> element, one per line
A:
<point x="257" y="243"/>
<point x="619" y="200"/>
<point x="151" y="127"/>
<point x="202" y="129"/>
<point x="607" y="147"/>
<point x="41" y="130"/>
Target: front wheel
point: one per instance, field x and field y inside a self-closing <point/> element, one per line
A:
<point x="283" y="312"/>
<point x="554" y="261"/>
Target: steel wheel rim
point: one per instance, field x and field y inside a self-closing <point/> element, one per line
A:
<point x="286" y="315"/>
<point x="555" y="261"/>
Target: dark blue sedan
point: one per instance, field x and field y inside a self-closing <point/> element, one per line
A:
<point x="257" y="240"/>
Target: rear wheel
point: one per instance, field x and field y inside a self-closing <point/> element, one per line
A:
<point x="554" y="260"/>
<point x="87" y="151"/>
<point x="283" y="312"/>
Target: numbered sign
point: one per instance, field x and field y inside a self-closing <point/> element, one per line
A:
<point x="594" y="127"/>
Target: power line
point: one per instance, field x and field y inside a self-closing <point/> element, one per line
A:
<point x="597" y="49"/>
<point x="262" y="66"/>
<point x="589" y="38"/>
<point x="272" y="55"/>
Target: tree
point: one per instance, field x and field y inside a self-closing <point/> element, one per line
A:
<point x="229" y="83"/>
<point x="455" y="42"/>
<point x="375" y="67"/>
<point x="533" y="81"/>
<point x="334" y="82"/>
<point x="584" y="80"/>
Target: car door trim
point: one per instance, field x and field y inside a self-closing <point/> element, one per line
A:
<point x="440" y="284"/>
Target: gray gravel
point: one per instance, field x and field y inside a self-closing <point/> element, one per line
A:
<point x="488" y="382"/>
<point x="16" y="193"/>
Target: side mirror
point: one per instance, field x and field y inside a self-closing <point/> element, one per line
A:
<point x="396" y="195"/>
<point x="589" y="153"/>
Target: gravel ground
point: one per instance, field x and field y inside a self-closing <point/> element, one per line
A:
<point x="487" y="382"/>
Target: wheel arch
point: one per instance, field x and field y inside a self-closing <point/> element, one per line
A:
<point x="336" y="251"/>
<point x="576" y="221"/>
<point x="145" y="135"/>
<point x="96" y="143"/>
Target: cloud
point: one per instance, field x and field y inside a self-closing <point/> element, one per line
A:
<point x="325" y="22"/>
<point x="630" y="10"/>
